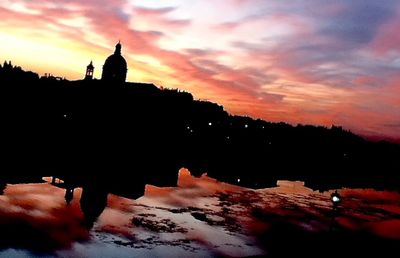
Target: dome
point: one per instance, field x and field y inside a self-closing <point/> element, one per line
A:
<point x="115" y="62"/>
<point x="115" y="66"/>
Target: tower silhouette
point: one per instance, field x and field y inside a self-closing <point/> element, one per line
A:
<point x="89" y="71"/>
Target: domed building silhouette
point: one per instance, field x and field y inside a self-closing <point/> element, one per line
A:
<point x="115" y="67"/>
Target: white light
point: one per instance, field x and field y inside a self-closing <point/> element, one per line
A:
<point x="65" y="115"/>
<point x="238" y="180"/>
<point x="246" y="126"/>
<point x="335" y="199"/>
<point x="227" y="137"/>
<point x="210" y="124"/>
<point x="188" y="127"/>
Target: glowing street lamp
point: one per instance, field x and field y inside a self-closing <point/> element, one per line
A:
<point x="336" y="199"/>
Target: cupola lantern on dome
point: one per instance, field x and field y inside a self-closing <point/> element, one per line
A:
<point x="118" y="48"/>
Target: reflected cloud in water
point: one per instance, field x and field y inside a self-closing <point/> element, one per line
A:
<point x="36" y="217"/>
<point x="201" y="217"/>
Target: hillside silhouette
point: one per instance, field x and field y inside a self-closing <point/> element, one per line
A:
<point x="108" y="131"/>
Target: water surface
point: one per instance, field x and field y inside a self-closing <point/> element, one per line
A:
<point x="201" y="217"/>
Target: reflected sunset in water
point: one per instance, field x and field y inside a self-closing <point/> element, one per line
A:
<point x="201" y="217"/>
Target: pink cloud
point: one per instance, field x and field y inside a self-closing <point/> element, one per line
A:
<point x="387" y="38"/>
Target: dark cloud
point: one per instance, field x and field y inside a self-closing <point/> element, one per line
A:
<point x="393" y="125"/>
<point x="357" y="21"/>
<point x="202" y="52"/>
<point x="270" y="97"/>
<point x="327" y="52"/>
<point x="153" y="11"/>
<point x="249" y="46"/>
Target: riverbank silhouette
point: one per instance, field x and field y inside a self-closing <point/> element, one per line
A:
<point x="102" y="129"/>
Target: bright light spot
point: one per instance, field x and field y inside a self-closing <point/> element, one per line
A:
<point x="335" y="199"/>
<point x="246" y="126"/>
<point x="238" y="180"/>
<point x="210" y="124"/>
<point x="77" y="22"/>
<point x="151" y="61"/>
<point x="65" y="115"/>
<point x="21" y="8"/>
<point x="188" y="127"/>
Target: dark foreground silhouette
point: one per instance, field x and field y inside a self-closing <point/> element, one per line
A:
<point x="96" y="130"/>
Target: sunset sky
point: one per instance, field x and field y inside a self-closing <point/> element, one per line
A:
<point x="298" y="61"/>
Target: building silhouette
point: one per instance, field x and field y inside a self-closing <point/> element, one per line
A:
<point x="89" y="71"/>
<point x="115" y="67"/>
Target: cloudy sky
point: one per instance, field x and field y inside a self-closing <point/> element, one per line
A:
<point x="299" y="61"/>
